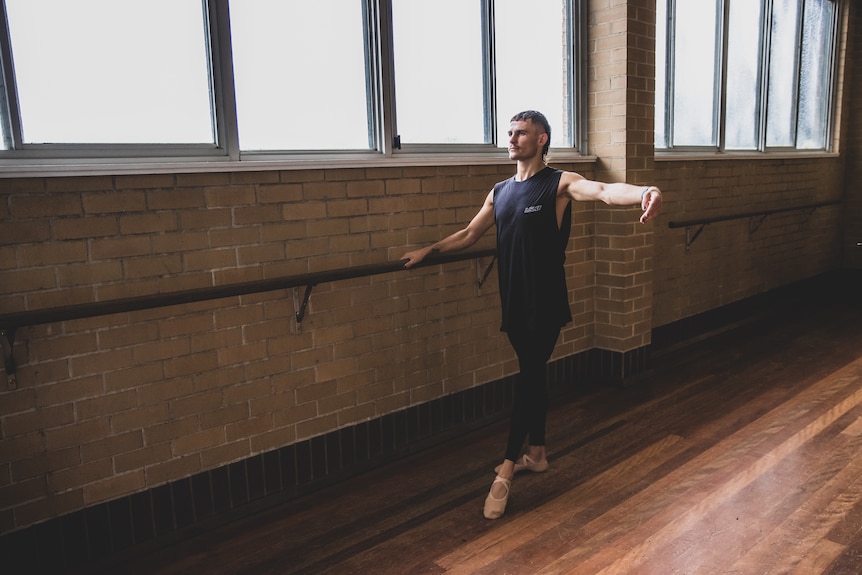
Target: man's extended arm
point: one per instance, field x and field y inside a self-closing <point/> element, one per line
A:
<point x="578" y="188"/>
<point x="461" y="239"/>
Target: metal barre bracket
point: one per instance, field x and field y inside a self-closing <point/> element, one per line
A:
<point x="689" y="237"/>
<point x="808" y="215"/>
<point x="755" y="222"/>
<point x="481" y="277"/>
<point x="8" y="334"/>
<point x="301" y="307"/>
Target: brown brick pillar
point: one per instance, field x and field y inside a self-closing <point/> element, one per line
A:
<point x="621" y="128"/>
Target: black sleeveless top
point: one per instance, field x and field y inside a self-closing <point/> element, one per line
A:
<point x="531" y="251"/>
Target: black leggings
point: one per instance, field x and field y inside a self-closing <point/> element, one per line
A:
<point x="530" y="408"/>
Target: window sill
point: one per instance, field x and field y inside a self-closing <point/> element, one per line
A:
<point x="32" y="168"/>
<point x="699" y="156"/>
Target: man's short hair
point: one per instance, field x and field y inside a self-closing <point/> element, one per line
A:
<point x="537" y="118"/>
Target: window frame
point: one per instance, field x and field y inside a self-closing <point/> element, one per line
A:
<point x="225" y="154"/>
<point x="77" y="153"/>
<point x="720" y="111"/>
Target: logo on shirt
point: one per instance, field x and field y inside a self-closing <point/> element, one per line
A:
<point x="532" y="209"/>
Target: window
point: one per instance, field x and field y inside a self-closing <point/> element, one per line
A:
<point x="743" y="75"/>
<point x="440" y="87"/>
<point x="443" y="94"/>
<point x="548" y="56"/>
<point x="300" y="75"/>
<point x="88" y="72"/>
<point x="752" y="75"/>
<point x="231" y="80"/>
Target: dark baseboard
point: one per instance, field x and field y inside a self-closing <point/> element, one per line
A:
<point x="842" y="287"/>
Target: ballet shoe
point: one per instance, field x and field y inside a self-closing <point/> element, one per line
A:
<point x="524" y="463"/>
<point x="494" y="507"/>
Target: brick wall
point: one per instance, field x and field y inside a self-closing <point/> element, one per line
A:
<point x="735" y="259"/>
<point x="111" y="405"/>
<point x="116" y="405"/>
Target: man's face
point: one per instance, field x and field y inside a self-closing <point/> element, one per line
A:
<point x="526" y="140"/>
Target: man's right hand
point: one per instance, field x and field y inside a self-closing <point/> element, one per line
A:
<point x="415" y="257"/>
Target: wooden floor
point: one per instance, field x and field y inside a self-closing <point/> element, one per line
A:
<point x="738" y="454"/>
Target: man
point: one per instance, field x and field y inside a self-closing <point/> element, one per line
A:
<point x="532" y="212"/>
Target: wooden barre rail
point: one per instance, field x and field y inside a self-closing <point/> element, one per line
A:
<point x="10" y="322"/>
<point x="762" y="215"/>
<point x="696" y="222"/>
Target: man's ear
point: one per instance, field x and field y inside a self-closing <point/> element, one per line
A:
<point x="543" y="138"/>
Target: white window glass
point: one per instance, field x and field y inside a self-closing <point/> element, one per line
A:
<point x="694" y="73"/>
<point x="546" y="88"/>
<point x="300" y="74"/>
<point x="781" y="95"/>
<point x="777" y="66"/>
<point x="660" y="74"/>
<point x="743" y="83"/>
<point x="5" y="128"/>
<point x="439" y="80"/>
<point x="814" y="74"/>
<point x="111" y="71"/>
